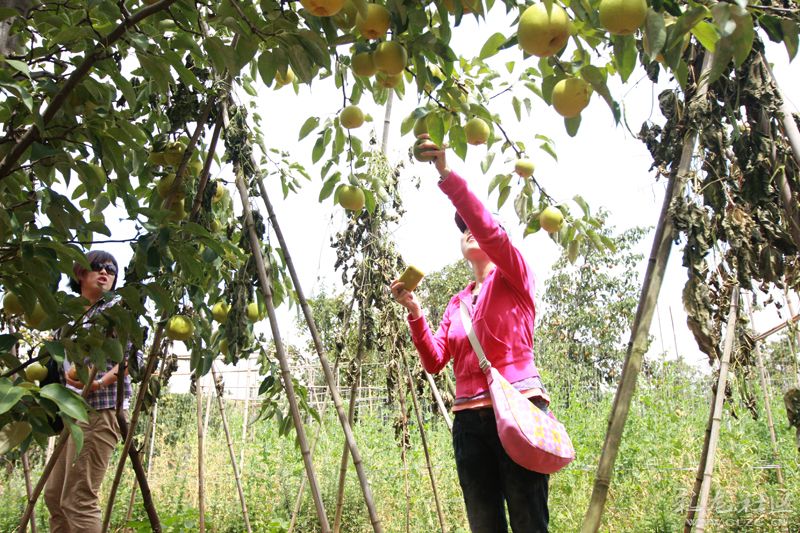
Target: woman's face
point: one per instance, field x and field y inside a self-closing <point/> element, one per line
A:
<point x="470" y="248"/>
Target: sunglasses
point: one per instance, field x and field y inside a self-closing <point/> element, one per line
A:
<point x="108" y="267"/>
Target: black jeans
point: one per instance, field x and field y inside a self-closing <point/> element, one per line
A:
<point x="489" y="478"/>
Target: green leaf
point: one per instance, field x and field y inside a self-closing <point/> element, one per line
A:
<point x="515" y="103"/>
<point x="267" y="67"/>
<point x="504" y="192"/>
<point x="12" y="435"/>
<point x="572" y="124"/>
<point x="308" y="126"/>
<point x="68" y="402"/>
<point x="492" y="45"/>
<point x="790" y="36"/>
<point x="706" y="33"/>
<point x="21" y="66"/>
<point x="301" y="63"/>
<point x="329" y="185"/>
<point x="573" y="249"/>
<point x="654" y="34"/>
<point x="625" y="55"/>
<point x="7" y="341"/>
<point x="157" y="70"/>
<point x="9" y="394"/>
<point x="497" y="180"/>
<point x="221" y="55"/>
<point x="76" y="433"/>
<point x="458" y="141"/>
<point x="582" y="204"/>
<point x="436" y="128"/>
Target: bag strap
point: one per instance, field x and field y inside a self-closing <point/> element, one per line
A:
<point x="483" y="362"/>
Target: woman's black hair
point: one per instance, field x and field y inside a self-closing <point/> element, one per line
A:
<point x="99" y="257"/>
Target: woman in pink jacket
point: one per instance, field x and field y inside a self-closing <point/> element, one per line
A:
<point x="501" y="302"/>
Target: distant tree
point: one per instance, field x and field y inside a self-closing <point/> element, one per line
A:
<point x="589" y="307"/>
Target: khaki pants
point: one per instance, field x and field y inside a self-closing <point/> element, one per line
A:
<point x="72" y="489"/>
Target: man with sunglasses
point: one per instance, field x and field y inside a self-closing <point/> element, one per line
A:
<point x="73" y="487"/>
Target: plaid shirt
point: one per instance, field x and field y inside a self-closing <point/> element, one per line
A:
<point x="104" y="397"/>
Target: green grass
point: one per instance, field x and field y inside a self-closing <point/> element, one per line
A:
<point x="654" y="471"/>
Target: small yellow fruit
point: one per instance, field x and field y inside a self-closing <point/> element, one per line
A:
<point x="351" y="117"/>
<point x="223" y="347"/>
<point x="253" y="312"/>
<point x="541" y="33"/>
<point x="12" y="305"/>
<point x="376" y="24"/>
<point x="323" y="8"/>
<point x="571" y="96"/>
<point x="35" y="319"/>
<point x="195" y="167"/>
<point x="352" y="198"/>
<point x="179" y="328"/>
<point x="524" y="167"/>
<point x="390" y="57"/>
<point x="477" y="131"/>
<point x="177" y="210"/>
<point x="156" y="158"/>
<point x="622" y="17"/>
<point x="35" y="372"/>
<point x="165" y="184"/>
<point x="281" y="80"/>
<point x="174" y="153"/>
<point x="215" y="226"/>
<point x="363" y="64"/>
<point x="550" y="219"/>
<point x="388" y="81"/>
<point x="220" y="312"/>
<point x="219" y="192"/>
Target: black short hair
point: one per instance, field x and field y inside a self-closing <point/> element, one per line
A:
<point x="95" y="256"/>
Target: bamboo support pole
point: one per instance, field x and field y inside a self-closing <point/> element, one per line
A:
<point x="701" y="467"/>
<point x="201" y="490"/>
<point x="51" y="463"/>
<point x="780" y="170"/>
<point x="762" y="377"/>
<point x="326" y="367"/>
<point x="439" y="402"/>
<point x="152" y="359"/>
<point x="730" y="336"/>
<point x="206" y="415"/>
<point x="236" y="476"/>
<point x="420" y="423"/>
<point x="132" y="499"/>
<point x="654" y="276"/>
<point x="152" y="439"/>
<point x="794" y="340"/>
<point x="351" y="413"/>
<point x="266" y="290"/>
<point x="245" y="417"/>
<point x="401" y="397"/>
<point x="26" y="469"/>
<point x="773" y="330"/>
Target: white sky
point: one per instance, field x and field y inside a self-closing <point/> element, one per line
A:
<point x="604" y="163"/>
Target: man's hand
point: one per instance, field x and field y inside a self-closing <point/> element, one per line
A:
<point x="405" y="298"/>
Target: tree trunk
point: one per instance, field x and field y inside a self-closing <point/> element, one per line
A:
<point x="730" y="336"/>
<point x="236" y="476"/>
<point x="659" y="255"/>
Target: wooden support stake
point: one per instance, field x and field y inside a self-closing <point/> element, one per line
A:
<point x="659" y="255"/>
<point x="420" y="423"/>
<point x="730" y="336"/>
<point x="439" y="402"/>
<point x="266" y="290"/>
<point x="236" y="476"/>
<point x="326" y="367"/>
<point x="26" y="469"/>
<point x="762" y="378"/>
<point x="201" y="487"/>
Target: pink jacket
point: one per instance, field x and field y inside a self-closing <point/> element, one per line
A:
<point x="502" y="317"/>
